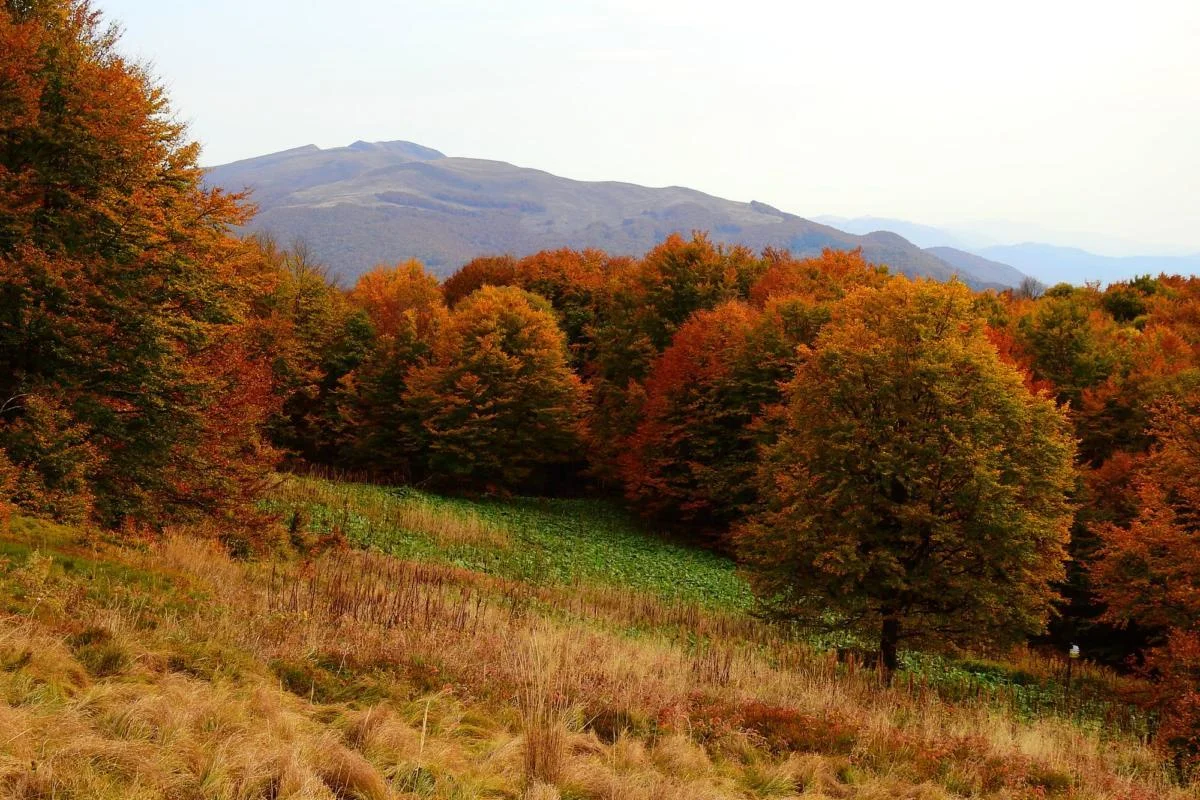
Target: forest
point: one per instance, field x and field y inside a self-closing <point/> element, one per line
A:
<point x="919" y="466"/>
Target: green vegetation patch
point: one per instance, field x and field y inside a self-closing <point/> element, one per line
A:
<point x="540" y="541"/>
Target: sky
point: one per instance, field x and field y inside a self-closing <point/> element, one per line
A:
<point x="1073" y="119"/>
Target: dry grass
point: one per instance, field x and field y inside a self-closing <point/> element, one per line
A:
<point x="379" y="511"/>
<point x="541" y="665"/>
<point x="357" y="676"/>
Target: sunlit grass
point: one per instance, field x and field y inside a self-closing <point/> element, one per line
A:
<point x="353" y="674"/>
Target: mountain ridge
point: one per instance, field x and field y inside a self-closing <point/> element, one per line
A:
<point x="1047" y="261"/>
<point x="983" y="268"/>
<point x="383" y="202"/>
<point x="1054" y="263"/>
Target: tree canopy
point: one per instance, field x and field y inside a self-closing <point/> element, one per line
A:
<point x="918" y="490"/>
<point x="498" y="401"/>
<point x="123" y="298"/>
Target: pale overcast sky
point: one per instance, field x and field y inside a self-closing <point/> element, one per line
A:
<point x="1073" y="116"/>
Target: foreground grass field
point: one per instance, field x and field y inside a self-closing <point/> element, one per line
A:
<point x="169" y="670"/>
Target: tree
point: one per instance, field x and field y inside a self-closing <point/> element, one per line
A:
<point x="388" y="294"/>
<point x="918" y="490"/>
<point x="691" y="423"/>
<point x="821" y="279"/>
<point x="643" y="304"/>
<point x="477" y="273"/>
<point x="405" y="306"/>
<point x="51" y="460"/>
<point x="314" y="339"/>
<point x="119" y="279"/>
<point x="1148" y="570"/>
<point x="572" y="281"/>
<point x="1111" y="355"/>
<point x="498" y="401"/>
<point x="1029" y="289"/>
<point x="681" y="276"/>
<point x="1071" y="341"/>
<point x="692" y="458"/>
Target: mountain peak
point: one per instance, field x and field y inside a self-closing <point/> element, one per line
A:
<point x="410" y="150"/>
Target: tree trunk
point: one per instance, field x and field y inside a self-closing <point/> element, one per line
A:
<point x="889" y="641"/>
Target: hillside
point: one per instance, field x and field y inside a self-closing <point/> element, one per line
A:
<point x="169" y="670"/>
<point x="366" y="204"/>
<point x="984" y="269"/>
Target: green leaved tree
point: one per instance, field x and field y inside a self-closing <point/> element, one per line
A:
<point x="918" y="490"/>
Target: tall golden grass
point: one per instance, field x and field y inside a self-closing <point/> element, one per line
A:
<point x="542" y="691"/>
<point x="357" y="675"/>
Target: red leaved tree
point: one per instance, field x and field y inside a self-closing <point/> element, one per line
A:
<point x="477" y="273"/>
<point x="692" y="458"/>
<point x="1148" y="570"/>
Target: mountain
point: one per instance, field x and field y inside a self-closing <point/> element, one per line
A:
<point x="925" y="236"/>
<point x="372" y="203"/>
<point x="1051" y="264"/>
<point x="982" y="268"/>
<point x="974" y="251"/>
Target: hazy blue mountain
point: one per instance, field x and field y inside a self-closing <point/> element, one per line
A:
<point x="1051" y="264"/>
<point x="926" y="236"/>
<point x="982" y="268"/>
<point x="366" y="204"/>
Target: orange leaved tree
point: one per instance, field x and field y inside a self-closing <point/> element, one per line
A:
<point x="820" y="279"/>
<point x="406" y="310"/>
<point x="1148" y="570"/>
<point x="388" y="294"/>
<point x="120" y="285"/>
<point x="498" y="400"/>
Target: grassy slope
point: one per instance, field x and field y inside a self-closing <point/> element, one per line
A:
<point x="533" y="540"/>
<point x="171" y="671"/>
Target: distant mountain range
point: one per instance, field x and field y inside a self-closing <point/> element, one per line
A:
<point x="1072" y="265"/>
<point x="1048" y="263"/>
<point x="366" y="204"/>
<point x="384" y="202"/>
<point x="920" y="235"/>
